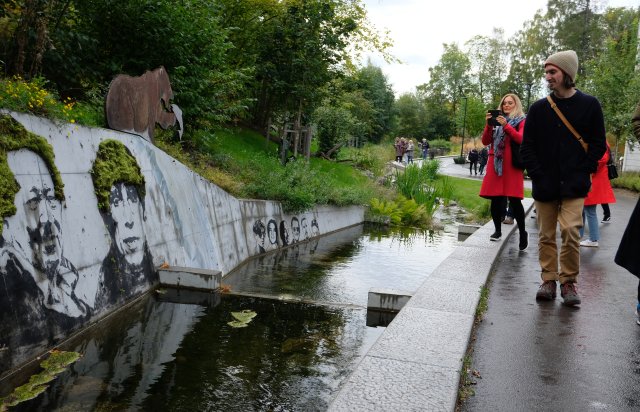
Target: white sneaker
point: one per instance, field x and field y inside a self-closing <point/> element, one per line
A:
<point x="589" y="243"/>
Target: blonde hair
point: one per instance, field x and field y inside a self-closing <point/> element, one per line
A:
<point x="517" y="110"/>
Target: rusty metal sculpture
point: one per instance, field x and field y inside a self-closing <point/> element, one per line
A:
<point x="136" y="104"/>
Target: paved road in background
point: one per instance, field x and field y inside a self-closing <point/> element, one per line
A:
<point x="447" y="167"/>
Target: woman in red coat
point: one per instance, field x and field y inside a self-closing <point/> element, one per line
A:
<point x="503" y="180"/>
<point x="601" y="192"/>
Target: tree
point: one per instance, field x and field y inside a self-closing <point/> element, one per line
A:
<point x="95" y="41"/>
<point x="334" y="126"/>
<point x="450" y="76"/>
<point x="489" y="62"/>
<point x="577" y="27"/>
<point x="528" y="49"/>
<point x="376" y="88"/>
<point x="614" y="78"/>
<point x="475" y="117"/>
<point x="411" y="117"/>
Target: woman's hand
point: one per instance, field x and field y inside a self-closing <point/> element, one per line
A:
<point x="487" y="117"/>
<point x="502" y="120"/>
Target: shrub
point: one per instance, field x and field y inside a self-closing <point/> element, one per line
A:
<point x="442" y="144"/>
<point x="628" y="180"/>
<point x="23" y="96"/>
<point x="295" y="185"/>
<point x="370" y="157"/>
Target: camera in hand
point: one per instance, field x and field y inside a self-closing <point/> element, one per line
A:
<point x="493" y="119"/>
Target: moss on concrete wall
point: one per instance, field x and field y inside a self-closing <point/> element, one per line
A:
<point x="114" y="164"/>
<point x="13" y="136"/>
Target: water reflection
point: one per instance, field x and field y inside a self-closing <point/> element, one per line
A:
<point x="341" y="268"/>
<point x="177" y="351"/>
<point x="185" y="357"/>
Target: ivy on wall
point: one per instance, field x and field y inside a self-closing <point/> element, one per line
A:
<point x="114" y="164"/>
<point x="13" y="136"/>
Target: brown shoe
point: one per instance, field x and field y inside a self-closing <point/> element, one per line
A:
<point x="508" y="220"/>
<point x="569" y="292"/>
<point x="547" y="290"/>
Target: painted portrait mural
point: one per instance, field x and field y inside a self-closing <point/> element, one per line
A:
<point x="285" y="233"/>
<point x="43" y="295"/>
<point x="38" y="297"/>
<point x="127" y="270"/>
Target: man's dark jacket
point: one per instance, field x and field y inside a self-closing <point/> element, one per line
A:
<point x="555" y="160"/>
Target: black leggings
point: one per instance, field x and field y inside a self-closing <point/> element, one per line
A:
<point x="498" y="208"/>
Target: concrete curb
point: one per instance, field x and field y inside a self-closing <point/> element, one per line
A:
<point x="415" y="364"/>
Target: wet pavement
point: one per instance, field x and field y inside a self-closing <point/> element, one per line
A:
<point x="526" y="356"/>
<point x="544" y="356"/>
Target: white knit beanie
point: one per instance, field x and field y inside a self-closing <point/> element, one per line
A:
<point x="566" y="60"/>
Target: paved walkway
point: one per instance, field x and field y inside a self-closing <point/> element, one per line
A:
<point x="544" y="356"/>
<point x="529" y="356"/>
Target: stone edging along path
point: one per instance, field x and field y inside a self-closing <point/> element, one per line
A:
<point x="415" y="364"/>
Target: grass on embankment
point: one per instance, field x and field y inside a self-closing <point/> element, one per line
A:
<point x="243" y="163"/>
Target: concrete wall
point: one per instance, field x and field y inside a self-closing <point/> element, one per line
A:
<point x="631" y="161"/>
<point x="66" y="264"/>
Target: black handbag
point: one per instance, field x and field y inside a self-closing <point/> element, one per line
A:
<point x="516" y="158"/>
<point x="612" y="170"/>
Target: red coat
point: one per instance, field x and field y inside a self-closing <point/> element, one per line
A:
<point x="601" y="191"/>
<point x="511" y="183"/>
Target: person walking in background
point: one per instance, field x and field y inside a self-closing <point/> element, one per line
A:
<point x="483" y="157"/>
<point x="424" y="146"/>
<point x="627" y="255"/>
<point x="601" y="192"/>
<point x="403" y="149"/>
<point x="473" y="161"/>
<point x="560" y="164"/>
<point x="508" y="218"/>
<point x="503" y="180"/>
<point x="606" y="211"/>
<point x="398" y="147"/>
<point x="410" y="149"/>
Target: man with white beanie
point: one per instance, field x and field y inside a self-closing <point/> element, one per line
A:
<point x="560" y="165"/>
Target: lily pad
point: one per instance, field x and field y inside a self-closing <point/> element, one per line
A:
<point x="55" y="364"/>
<point x="244" y="316"/>
<point x="237" y="324"/>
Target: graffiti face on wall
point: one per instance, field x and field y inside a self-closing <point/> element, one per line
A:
<point x="127" y="213"/>
<point x="272" y="232"/>
<point x="284" y="233"/>
<point x="120" y="188"/>
<point x="259" y="232"/>
<point x="304" y="229"/>
<point x="295" y="230"/>
<point x="40" y="240"/>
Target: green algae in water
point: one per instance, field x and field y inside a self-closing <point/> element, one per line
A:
<point x="54" y="365"/>
<point x="242" y="318"/>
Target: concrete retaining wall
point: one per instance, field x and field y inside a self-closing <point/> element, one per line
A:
<point x="65" y="264"/>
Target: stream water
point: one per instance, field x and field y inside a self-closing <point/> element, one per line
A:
<point x="175" y="350"/>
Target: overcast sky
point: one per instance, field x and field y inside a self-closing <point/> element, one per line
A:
<point x="420" y="27"/>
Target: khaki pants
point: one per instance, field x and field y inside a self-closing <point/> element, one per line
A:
<point x="568" y="213"/>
